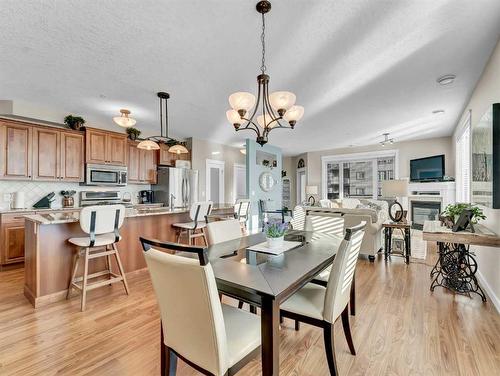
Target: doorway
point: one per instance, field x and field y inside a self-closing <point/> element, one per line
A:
<point x="301" y="185"/>
<point x="239" y="181"/>
<point x="215" y="181"/>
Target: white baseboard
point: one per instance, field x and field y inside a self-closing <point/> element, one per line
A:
<point x="489" y="291"/>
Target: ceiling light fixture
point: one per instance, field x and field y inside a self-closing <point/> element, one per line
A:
<point x="124" y="120"/>
<point x="446" y="79"/>
<point x="151" y="143"/>
<point x="277" y="110"/>
<point x="386" y="140"/>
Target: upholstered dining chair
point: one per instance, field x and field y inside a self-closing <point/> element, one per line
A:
<point x="321" y="306"/>
<point x="198" y="214"/>
<point x="213" y="338"/>
<point x="222" y="231"/>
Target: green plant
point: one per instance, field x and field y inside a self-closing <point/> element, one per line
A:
<point x="454" y="210"/>
<point x="74" y="122"/>
<point x="275" y="229"/>
<point x="133" y="133"/>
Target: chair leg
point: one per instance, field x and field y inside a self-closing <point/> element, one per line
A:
<point x="120" y="268"/>
<point x="347" y="329"/>
<point x="253" y="309"/>
<point x="297" y="325"/>
<point x="204" y="236"/>
<point x="352" y="298"/>
<point x="163" y="354"/>
<point x="179" y="236"/>
<point x="330" y="349"/>
<point x="240" y="304"/>
<point x="85" y="278"/>
<point x="76" y="259"/>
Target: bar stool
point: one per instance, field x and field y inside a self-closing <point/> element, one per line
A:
<point x="102" y="224"/>
<point x="198" y="214"/>
<point x="241" y="209"/>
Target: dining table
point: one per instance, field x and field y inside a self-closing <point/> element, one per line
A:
<point x="267" y="280"/>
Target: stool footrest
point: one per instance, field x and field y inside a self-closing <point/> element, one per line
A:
<point x="101" y="254"/>
<point x="104" y="282"/>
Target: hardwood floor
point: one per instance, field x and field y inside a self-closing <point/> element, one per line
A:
<point x="400" y="328"/>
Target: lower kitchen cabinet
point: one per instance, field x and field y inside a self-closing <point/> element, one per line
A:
<point x="12" y="238"/>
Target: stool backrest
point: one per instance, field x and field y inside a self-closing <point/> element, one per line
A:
<point x="241" y="208"/>
<point x="190" y="310"/>
<point x="221" y="231"/>
<point x="102" y="219"/>
<point x="199" y="210"/>
<point x="344" y="264"/>
<point x="298" y="218"/>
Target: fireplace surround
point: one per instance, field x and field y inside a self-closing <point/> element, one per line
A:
<point x="424" y="211"/>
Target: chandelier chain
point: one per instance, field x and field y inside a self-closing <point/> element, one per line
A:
<point x="263" y="41"/>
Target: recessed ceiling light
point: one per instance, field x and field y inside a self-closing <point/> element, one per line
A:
<point x="446" y="79"/>
<point x="215" y="152"/>
<point x="438" y="112"/>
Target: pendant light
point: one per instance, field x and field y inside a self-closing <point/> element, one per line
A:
<point x="277" y="110"/>
<point x="124" y="120"/>
<point x="151" y="143"/>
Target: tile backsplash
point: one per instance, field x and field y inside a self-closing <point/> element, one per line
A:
<point x="34" y="191"/>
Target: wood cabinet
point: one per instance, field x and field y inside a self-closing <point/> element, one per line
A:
<point x="141" y="165"/>
<point x="57" y="155"/>
<point x="12" y="238"/>
<point x="15" y="150"/>
<point x="165" y="158"/>
<point x="104" y="147"/>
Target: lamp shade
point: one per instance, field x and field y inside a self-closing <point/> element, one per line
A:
<point x="311" y="189"/>
<point x="178" y="149"/>
<point x="148" y="145"/>
<point x="295" y="113"/>
<point x="395" y="188"/>
<point x="233" y="116"/>
<point x="242" y="101"/>
<point x="282" y="100"/>
<point x="124" y="120"/>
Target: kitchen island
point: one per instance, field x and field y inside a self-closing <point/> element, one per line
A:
<point x="49" y="255"/>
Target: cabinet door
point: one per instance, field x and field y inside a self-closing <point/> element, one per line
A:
<point x="96" y="146"/>
<point x="72" y="157"/>
<point x="13" y="242"/>
<point x="16" y="159"/>
<point x="133" y="163"/>
<point x="117" y="149"/>
<point x="46" y="152"/>
<point x="149" y="175"/>
<point x="165" y="158"/>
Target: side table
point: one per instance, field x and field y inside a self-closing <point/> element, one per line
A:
<point x="405" y="227"/>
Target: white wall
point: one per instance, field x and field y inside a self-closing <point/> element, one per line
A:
<point x="487" y="91"/>
<point x="203" y="150"/>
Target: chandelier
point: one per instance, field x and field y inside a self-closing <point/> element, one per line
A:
<point x="124" y="120"/>
<point x="151" y="143"/>
<point x="268" y="111"/>
<point x="386" y="140"/>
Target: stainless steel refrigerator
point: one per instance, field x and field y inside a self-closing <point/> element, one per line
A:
<point x="178" y="186"/>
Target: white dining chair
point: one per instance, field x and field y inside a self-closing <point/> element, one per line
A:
<point x="198" y="214"/>
<point x="321" y="306"/>
<point x="298" y="218"/>
<point x="102" y="224"/>
<point x="213" y="338"/>
<point x="241" y="210"/>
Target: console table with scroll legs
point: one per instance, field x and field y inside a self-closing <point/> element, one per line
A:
<point x="456" y="266"/>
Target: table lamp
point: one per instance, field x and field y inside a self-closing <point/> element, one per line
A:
<point x="311" y="190"/>
<point x="395" y="188"/>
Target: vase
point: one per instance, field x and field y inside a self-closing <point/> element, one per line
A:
<point x="274" y="243"/>
<point x="68" y="202"/>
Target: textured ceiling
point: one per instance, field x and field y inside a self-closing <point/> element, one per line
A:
<point x="360" y="68"/>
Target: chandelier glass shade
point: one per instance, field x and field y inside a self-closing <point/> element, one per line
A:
<point x="124" y="120"/>
<point x="152" y="143"/>
<point x="267" y="111"/>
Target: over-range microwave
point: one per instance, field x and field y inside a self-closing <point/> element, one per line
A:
<point x="97" y="174"/>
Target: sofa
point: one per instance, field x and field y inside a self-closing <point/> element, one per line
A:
<point x="354" y="211"/>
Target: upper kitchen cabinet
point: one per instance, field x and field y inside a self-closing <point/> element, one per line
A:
<point x="165" y="158"/>
<point x="72" y="157"/>
<point x="15" y="150"/>
<point x="141" y="165"/>
<point x="104" y="147"/>
<point x="133" y="163"/>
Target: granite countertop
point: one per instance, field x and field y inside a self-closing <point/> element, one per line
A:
<point x="73" y="215"/>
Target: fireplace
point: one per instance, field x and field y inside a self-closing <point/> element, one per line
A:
<point x="424" y="211"/>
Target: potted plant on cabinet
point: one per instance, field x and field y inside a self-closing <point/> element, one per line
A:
<point x="453" y="211"/>
<point x="133" y="133"/>
<point x="275" y="232"/>
<point x="74" y="122"/>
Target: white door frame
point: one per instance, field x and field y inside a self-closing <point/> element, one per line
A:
<point x="299" y="172"/>
<point x="237" y="166"/>
<point x="220" y="165"/>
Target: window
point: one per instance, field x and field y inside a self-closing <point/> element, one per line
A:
<point x="357" y="175"/>
<point x="462" y="162"/>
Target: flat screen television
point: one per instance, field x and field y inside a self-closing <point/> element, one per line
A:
<point x="427" y="169"/>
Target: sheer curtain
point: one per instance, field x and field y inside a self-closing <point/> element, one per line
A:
<point x="462" y="162"/>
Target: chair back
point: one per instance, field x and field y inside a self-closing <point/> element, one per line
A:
<point x="190" y="310"/>
<point x="325" y="223"/>
<point x="241" y="209"/>
<point x="298" y="218"/>
<point x="102" y="219"/>
<point x="339" y="284"/>
<point x="199" y="210"/>
<point x="221" y="231"/>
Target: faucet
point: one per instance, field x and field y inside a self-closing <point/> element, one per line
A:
<point x="171" y="203"/>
